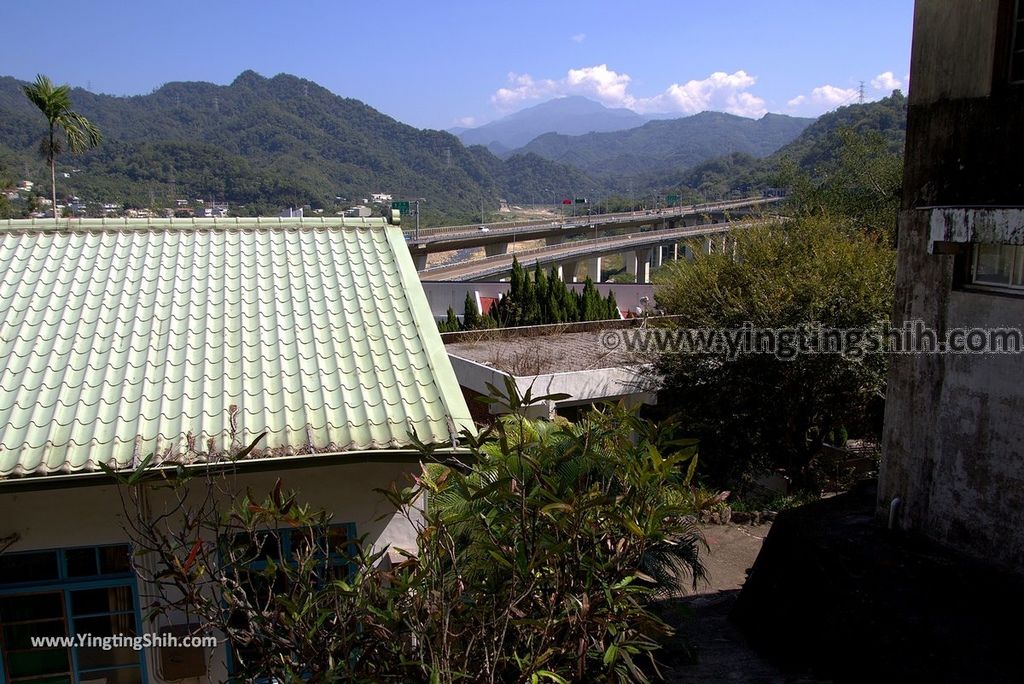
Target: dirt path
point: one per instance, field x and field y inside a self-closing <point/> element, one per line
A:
<point x="722" y="652"/>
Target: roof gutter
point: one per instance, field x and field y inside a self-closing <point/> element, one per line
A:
<point x="253" y="465"/>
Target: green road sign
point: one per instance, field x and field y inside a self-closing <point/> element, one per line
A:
<point x="672" y="199"/>
<point x="400" y="206"/>
<point x="581" y="200"/>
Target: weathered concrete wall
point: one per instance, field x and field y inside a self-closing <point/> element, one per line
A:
<point x="965" y="152"/>
<point x="951" y="55"/>
<point x="953" y="445"/>
<point x="954" y="425"/>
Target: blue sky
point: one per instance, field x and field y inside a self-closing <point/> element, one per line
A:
<point x="439" y="65"/>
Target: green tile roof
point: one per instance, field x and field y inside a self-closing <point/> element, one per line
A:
<point x="122" y="341"/>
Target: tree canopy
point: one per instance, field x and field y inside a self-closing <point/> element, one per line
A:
<point x="762" y="411"/>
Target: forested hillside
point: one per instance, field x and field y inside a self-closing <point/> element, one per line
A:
<point x="812" y="152"/>
<point x="267" y="143"/>
<point x="660" y="146"/>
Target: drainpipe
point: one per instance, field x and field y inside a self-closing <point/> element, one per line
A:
<point x="894" y="507"/>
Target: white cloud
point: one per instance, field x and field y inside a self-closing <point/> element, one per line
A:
<point x="578" y="38"/>
<point x="466" y="121"/>
<point x="523" y="88"/>
<point x="719" y="91"/>
<point x="823" y="98"/>
<point x="885" y="81"/>
<point x="599" y="82"/>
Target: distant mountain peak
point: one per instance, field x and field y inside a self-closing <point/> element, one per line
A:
<point x="569" y="115"/>
<point x="248" y="78"/>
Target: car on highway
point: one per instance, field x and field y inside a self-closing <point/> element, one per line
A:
<point x="484" y="229"/>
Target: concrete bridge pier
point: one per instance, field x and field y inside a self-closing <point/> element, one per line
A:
<point x="567" y="271"/>
<point x="419" y="260"/>
<point x="659" y="255"/>
<point x="675" y="251"/>
<point x="630" y="259"/>
<point x="594" y="269"/>
<point x="708" y="248"/>
<point x="643" y="265"/>
<point x="496" y="249"/>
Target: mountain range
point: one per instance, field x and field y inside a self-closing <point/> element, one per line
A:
<point x="813" y="152"/>
<point x="668" y="145"/>
<point x="267" y="143"/>
<point x="573" y="115"/>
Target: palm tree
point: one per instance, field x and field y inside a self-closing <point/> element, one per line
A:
<point x="79" y="133"/>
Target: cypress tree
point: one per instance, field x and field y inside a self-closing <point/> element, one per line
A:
<point x="450" y="323"/>
<point x="470" y="313"/>
<point x="531" y="310"/>
<point x="514" y="301"/>
<point x="571" y="303"/>
<point x="591" y="306"/>
<point x="613" y="306"/>
<point x="515" y="289"/>
<point x="540" y="288"/>
<point x="556" y="312"/>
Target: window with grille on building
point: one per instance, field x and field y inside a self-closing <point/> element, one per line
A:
<point x="62" y="593"/>
<point x="1017" y="44"/>
<point x="333" y="545"/>
<point x="998" y="267"/>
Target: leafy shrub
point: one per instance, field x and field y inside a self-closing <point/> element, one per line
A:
<point x="538" y="561"/>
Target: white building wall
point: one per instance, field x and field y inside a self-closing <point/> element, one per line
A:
<point x="92" y="515"/>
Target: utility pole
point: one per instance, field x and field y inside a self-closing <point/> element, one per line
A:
<point x="417" y="218"/>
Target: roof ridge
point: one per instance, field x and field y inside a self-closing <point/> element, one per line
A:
<point x="127" y="225"/>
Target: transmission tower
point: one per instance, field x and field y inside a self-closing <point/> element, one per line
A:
<point x="860" y="93"/>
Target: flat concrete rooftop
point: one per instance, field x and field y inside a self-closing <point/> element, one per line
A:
<point x="564" y="352"/>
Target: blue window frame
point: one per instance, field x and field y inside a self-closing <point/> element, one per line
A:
<point x="342" y="535"/>
<point x="60" y="593"/>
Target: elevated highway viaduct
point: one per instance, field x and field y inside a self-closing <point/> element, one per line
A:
<point x="495" y="238"/>
<point x="643" y="250"/>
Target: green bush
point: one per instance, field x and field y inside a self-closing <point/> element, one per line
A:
<point x="541" y="561"/>
<point x="538" y="561"/>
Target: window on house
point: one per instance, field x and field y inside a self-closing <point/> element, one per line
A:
<point x="337" y="542"/>
<point x="63" y="593"/>
<point x="998" y="266"/>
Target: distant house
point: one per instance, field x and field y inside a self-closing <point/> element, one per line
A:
<point x="175" y="340"/>
<point x="358" y="212"/>
<point x="380" y="198"/>
<point x="212" y="211"/>
<point x="953" y="445"/>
